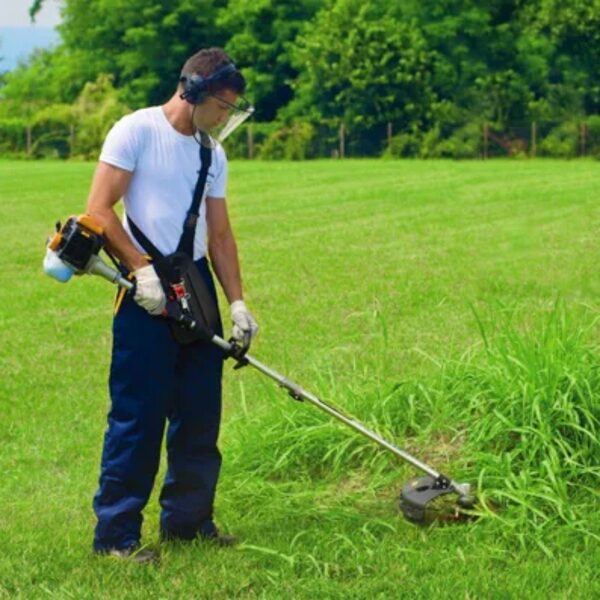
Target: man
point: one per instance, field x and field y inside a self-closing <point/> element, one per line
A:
<point x="151" y="159"/>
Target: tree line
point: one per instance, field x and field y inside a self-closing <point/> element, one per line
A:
<point x="433" y="71"/>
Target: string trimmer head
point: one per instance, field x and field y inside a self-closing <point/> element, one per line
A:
<point x="426" y="499"/>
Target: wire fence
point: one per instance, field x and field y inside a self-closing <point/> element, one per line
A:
<point x="564" y="139"/>
<point x="561" y="139"/>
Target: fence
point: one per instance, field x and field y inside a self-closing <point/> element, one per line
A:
<point x="544" y="137"/>
<point x="304" y="140"/>
<point x="465" y="140"/>
<point x="54" y="141"/>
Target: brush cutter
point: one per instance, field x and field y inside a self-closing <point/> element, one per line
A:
<point x="76" y="245"/>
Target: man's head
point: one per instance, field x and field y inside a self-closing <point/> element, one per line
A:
<point x="209" y="72"/>
<point x="211" y="83"/>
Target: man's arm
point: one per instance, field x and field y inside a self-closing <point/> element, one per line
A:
<point x="223" y="255"/>
<point x="222" y="248"/>
<point x="108" y="187"/>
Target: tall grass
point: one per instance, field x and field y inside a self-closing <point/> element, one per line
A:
<point x="533" y="415"/>
<point x="519" y="414"/>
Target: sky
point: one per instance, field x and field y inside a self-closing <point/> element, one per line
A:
<point x="19" y="37"/>
<point x="15" y="13"/>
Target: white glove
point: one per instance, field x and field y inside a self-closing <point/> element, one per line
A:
<point x="149" y="292"/>
<point x="243" y="322"/>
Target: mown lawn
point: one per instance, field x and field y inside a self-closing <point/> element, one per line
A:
<point x="451" y="305"/>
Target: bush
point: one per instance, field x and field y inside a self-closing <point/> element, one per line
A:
<point x="288" y="143"/>
<point x="430" y="143"/>
<point x="236" y="145"/>
<point x="404" y="145"/>
<point x="561" y="142"/>
<point x="13" y="135"/>
<point x="62" y="130"/>
<point x="273" y="141"/>
<point x="51" y="131"/>
<point x="465" y="142"/>
<point x="593" y="136"/>
<point x="96" y="109"/>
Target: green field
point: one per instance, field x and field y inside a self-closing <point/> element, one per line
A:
<point x="452" y="306"/>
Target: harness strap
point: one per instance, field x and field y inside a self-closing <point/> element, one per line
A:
<point x="186" y="241"/>
<point x="144" y="242"/>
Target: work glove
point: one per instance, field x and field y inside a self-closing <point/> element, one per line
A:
<point x="149" y="293"/>
<point x="244" y="325"/>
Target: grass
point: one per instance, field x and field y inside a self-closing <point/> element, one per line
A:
<point x="451" y="306"/>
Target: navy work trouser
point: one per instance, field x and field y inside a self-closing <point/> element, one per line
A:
<point x="152" y="379"/>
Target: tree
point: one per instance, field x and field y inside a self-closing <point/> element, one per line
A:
<point x="424" y="65"/>
<point x="35" y="8"/>
<point x="477" y="69"/>
<point x="142" y="44"/>
<point x="360" y="65"/>
<point x="261" y="36"/>
<point x="573" y="26"/>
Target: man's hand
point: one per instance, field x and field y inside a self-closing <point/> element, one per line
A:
<point x="244" y="325"/>
<point x="149" y="292"/>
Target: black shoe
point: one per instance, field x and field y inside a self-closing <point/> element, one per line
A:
<point x="220" y="539"/>
<point x="133" y="553"/>
<point x="213" y="536"/>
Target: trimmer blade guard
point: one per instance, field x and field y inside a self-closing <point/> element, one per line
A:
<point x="417" y="494"/>
<point x="419" y="501"/>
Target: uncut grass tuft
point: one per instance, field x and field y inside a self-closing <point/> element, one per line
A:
<point x="532" y="422"/>
<point x="523" y="422"/>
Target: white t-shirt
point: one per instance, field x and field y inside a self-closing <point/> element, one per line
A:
<point x="165" y="165"/>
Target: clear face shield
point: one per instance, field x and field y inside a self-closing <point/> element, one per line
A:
<point x="238" y="113"/>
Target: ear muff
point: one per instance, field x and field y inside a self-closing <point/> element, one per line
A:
<point x="196" y="87"/>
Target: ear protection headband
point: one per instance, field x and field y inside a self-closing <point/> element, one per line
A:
<point x="195" y="87"/>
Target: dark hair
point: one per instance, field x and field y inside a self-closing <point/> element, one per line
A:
<point x="207" y="62"/>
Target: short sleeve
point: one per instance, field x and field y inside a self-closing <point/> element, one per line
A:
<point x="120" y="147"/>
<point x="218" y="186"/>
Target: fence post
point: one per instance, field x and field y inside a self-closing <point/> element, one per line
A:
<point x="486" y="135"/>
<point x="342" y="140"/>
<point x="250" y="140"/>
<point x="533" y="150"/>
<point x="28" y="142"/>
<point x="71" y="138"/>
<point x="389" y="135"/>
<point x="582" y="138"/>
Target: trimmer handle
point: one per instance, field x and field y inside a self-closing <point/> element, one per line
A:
<point x="238" y="351"/>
